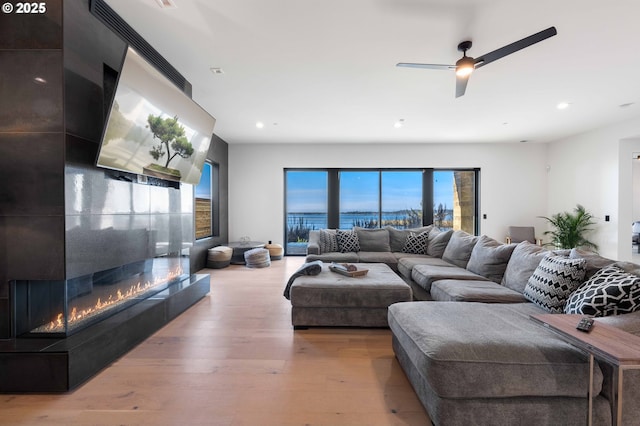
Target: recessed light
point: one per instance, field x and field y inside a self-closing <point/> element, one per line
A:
<point x="259" y="124"/>
<point x="166" y="4"/>
<point x="563" y="105"/>
<point x="216" y="70"/>
<point x="40" y="80"/>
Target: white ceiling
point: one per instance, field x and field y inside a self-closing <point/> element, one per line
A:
<point x="324" y="70"/>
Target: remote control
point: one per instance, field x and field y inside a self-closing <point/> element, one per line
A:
<point x="585" y="324"/>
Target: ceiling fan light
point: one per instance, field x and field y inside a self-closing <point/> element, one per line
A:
<point x="464" y="66"/>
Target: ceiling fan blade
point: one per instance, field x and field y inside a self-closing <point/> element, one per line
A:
<point x="461" y="85"/>
<point x="428" y="66"/>
<point x="514" y="47"/>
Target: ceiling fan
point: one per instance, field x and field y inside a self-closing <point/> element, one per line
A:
<point x="466" y="65"/>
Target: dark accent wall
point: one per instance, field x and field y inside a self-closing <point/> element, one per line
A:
<point x="57" y="210"/>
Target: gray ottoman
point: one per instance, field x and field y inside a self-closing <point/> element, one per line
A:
<point x="257" y="258"/>
<point x="331" y="299"/>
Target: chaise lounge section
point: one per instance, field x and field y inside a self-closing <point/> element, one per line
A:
<point x="485" y="361"/>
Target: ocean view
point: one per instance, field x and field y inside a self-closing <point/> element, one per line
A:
<point x="351" y="219"/>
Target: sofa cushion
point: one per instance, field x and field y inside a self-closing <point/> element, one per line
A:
<point x="474" y="291"/>
<point x="524" y="260"/>
<point x="336" y="256"/>
<point x="327" y="241"/>
<point x="595" y="262"/>
<point x="438" y="241"/>
<point x="489" y="258"/>
<point x="480" y="350"/>
<point x="552" y="282"/>
<point x="416" y="243"/>
<point x="397" y="237"/>
<point x="459" y="248"/>
<point x="407" y="261"/>
<point x="373" y="239"/>
<point x="425" y="275"/>
<point x="347" y="241"/>
<point x="610" y="291"/>
<point x="378" y="257"/>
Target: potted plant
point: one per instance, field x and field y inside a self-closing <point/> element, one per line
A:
<point x="569" y="229"/>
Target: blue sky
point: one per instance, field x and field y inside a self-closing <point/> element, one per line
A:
<point x="307" y="190"/>
<point x="203" y="189"/>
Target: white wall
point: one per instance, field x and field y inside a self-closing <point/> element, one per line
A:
<point x="595" y="169"/>
<point x="513" y="187"/>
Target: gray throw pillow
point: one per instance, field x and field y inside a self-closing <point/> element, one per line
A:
<point x="524" y="260"/>
<point x="373" y="239"/>
<point x="489" y="258"/>
<point x="438" y="241"/>
<point x="553" y="281"/>
<point x="595" y="262"/>
<point x="459" y="248"/>
<point x="327" y="241"/>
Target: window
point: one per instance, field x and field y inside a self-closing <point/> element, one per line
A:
<point x="402" y="198"/>
<point x="306" y="195"/>
<point x="204" y="203"/>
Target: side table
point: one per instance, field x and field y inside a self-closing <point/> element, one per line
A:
<point x="604" y="342"/>
<point x="239" y="247"/>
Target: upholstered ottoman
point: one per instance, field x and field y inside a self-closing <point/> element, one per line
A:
<point x="332" y="299"/>
<point x="219" y="257"/>
<point x="276" y="251"/>
<point x="257" y="258"/>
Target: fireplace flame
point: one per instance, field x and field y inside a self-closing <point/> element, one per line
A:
<point x="77" y="314"/>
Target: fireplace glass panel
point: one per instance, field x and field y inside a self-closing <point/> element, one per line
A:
<point x="62" y="308"/>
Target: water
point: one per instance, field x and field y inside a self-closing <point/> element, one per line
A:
<point x="348" y="220"/>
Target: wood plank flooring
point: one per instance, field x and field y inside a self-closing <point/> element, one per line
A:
<point x="234" y="359"/>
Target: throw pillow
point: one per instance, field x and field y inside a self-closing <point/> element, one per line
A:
<point x="524" y="260"/>
<point x="347" y="241"/>
<point x="327" y="241"/>
<point x="398" y="237"/>
<point x="438" y="241"/>
<point x="553" y="281"/>
<point x="489" y="258"/>
<point x="595" y="262"/>
<point x="416" y="243"/>
<point x="459" y="248"/>
<point x="610" y="291"/>
<point x="373" y="239"/>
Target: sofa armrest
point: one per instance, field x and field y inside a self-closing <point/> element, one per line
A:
<point x="313" y="247"/>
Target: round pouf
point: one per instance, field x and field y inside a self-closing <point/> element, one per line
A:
<point x="257" y="258"/>
<point x="219" y="257"/>
<point x="275" y="251"/>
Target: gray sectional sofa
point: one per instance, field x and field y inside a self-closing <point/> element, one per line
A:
<point x="485" y="361"/>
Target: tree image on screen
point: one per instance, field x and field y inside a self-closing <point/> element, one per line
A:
<point x="172" y="143"/>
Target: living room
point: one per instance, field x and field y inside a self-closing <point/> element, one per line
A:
<point x="523" y="177"/>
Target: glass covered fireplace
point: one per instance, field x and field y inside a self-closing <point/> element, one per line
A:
<point x="62" y="308"/>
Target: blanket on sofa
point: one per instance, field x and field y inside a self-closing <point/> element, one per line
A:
<point x="309" y="268"/>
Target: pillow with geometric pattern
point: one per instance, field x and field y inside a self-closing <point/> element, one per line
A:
<point x="416" y="243"/>
<point x="610" y="291"/>
<point x="347" y="241"/>
<point x="553" y="281"/>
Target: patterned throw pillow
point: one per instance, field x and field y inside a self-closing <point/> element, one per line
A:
<point x="610" y="291"/>
<point x="347" y="241"/>
<point x="327" y="241"/>
<point x="416" y="243"/>
<point x="553" y="281"/>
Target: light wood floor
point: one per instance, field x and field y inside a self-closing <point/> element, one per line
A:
<point x="234" y="359"/>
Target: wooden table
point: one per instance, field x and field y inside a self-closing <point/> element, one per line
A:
<point x="604" y="342"/>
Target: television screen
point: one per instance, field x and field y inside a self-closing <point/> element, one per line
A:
<point x="154" y="128"/>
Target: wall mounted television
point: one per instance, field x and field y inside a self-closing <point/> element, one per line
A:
<point x="153" y="128"/>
